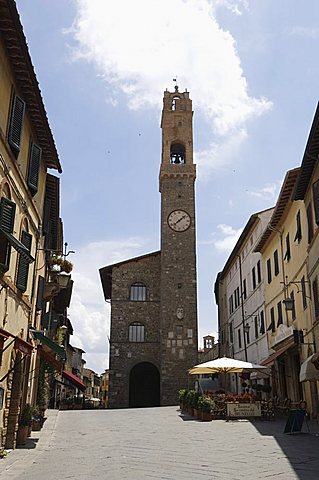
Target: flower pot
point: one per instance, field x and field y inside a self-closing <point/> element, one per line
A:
<point x="22" y="435"/>
<point x="206" y="417"/>
<point x="36" y="425"/>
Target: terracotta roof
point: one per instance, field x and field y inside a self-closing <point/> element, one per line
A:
<point x="282" y="205"/>
<point x="16" y="46"/>
<point x="309" y="160"/>
<point x="106" y="272"/>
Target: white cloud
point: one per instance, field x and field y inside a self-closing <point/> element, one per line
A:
<point x="306" y="32"/>
<point x="229" y="238"/>
<point x="267" y="192"/>
<point x="89" y="313"/>
<point x="219" y="154"/>
<point x="139" y="47"/>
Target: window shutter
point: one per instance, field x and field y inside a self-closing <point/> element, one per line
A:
<point x="262" y="323"/>
<point x="269" y="270"/>
<point x="23" y="266"/>
<point x="34" y="165"/>
<point x="46" y="216"/>
<point x="7" y="213"/>
<point x="298" y="235"/>
<point x="279" y="310"/>
<point x="310" y="222"/>
<point x="17" y="113"/>
<point x="315" y="297"/>
<point x="315" y="192"/>
<point x="39" y="302"/>
<point x="287" y="254"/>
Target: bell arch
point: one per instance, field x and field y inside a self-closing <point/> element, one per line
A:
<point x="144" y="385"/>
<point x="177" y="153"/>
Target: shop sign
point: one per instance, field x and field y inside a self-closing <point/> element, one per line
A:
<point x="243" y="410"/>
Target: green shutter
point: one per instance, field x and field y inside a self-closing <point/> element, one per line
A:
<point x="16" y="121"/>
<point x="315" y="192"/>
<point x="23" y="266"/>
<point x="7" y="213"/>
<point x="34" y="165"/>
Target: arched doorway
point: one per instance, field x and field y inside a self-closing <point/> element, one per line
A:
<point x="144" y="385"/>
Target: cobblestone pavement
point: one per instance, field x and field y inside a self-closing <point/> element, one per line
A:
<point x="158" y="443"/>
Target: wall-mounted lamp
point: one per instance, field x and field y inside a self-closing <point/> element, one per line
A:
<point x="63" y="279"/>
<point x="289" y="304"/>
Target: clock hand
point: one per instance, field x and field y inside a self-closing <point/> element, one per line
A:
<point x="180" y="219"/>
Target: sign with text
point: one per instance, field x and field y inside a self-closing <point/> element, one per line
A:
<point x="243" y="410"/>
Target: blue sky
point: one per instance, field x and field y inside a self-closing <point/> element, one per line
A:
<point x="251" y="67"/>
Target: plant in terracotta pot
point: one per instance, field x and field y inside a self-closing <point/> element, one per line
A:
<point x="182" y="398"/>
<point x="192" y="400"/>
<point x="25" y="422"/>
<point x="206" y="405"/>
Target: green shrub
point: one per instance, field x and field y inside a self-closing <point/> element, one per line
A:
<point x="192" y="399"/>
<point x="182" y="396"/>
<point x="205" y="404"/>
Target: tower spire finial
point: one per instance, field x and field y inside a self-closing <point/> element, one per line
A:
<point x="176" y="86"/>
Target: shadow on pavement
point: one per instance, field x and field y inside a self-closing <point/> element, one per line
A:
<point x="301" y="449"/>
<point x="30" y="443"/>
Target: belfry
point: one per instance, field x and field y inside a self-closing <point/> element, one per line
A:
<point x="153" y="335"/>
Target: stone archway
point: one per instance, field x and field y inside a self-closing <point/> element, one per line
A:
<point x="144" y="386"/>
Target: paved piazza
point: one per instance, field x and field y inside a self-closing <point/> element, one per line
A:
<point x="157" y="443"/>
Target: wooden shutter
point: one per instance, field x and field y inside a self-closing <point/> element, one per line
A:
<point x="23" y="266"/>
<point x="269" y="270"/>
<point x="39" y="302"/>
<point x="310" y="222"/>
<point x="287" y="254"/>
<point x="315" y="192"/>
<point x="298" y="235"/>
<point x="34" y="165"/>
<point x="315" y="297"/>
<point x="7" y="213"/>
<point x="16" y="121"/>
<point x="279" y="310"/>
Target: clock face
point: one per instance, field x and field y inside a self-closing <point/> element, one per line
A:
<point x="179" y="220"/>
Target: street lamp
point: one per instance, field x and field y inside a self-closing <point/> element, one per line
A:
<point x="289" y="304"/>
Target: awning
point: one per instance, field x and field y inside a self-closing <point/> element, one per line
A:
<point x="74" y="379"/>
<point x="47" y="357"/>
<point x="50" y="343"/>
<point x="23" y="346"/>
<point x="18" y="246"/>
<point x="309" y="370"/>
<point x="269" y="361"/>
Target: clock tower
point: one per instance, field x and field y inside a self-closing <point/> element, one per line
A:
<point x="178" y="305"/>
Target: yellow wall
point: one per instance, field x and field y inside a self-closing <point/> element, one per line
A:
<point x="17" y="310"/>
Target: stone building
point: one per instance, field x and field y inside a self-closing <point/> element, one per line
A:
<point x="153" y="337"/>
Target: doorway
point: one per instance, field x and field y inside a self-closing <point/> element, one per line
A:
<point x="144" y="386"/>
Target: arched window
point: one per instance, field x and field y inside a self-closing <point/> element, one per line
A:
<point x="175" y="102"/>
<point x="136" y="332"/>
<point x="138" y="292"/>
<point x="178" y="154"/>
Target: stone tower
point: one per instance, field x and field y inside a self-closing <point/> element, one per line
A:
<point x="153" y="335"/>
<point x="178" y="305"/>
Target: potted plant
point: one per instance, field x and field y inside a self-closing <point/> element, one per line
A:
<point x="182" y="398"/>
<point x="192" y="400"/>
<point x="25" y="422"/>
<point x="60" y="264"/>
<point x="206" y="405"/>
